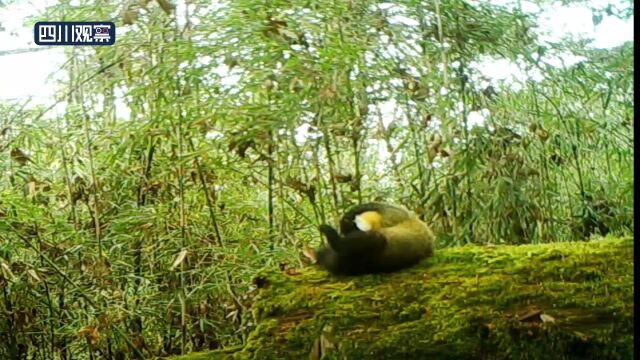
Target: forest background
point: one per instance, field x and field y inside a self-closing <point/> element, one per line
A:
<point x="138" y="202"/>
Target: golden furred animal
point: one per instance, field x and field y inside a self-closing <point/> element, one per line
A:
<point x="375" y="237"/>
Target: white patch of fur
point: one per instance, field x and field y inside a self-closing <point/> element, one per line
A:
<point x="362" y="224"/>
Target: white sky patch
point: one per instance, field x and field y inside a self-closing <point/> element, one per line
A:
<point x="395" y="82"/>
<point x="387" y="111"/>
<point x="122" y="110"/>
<point x="33" y="75"/>
<point x="387" y="6"/>
<point x="221" y="70"/>
<point x="559" y="20"/>
<point x="529" y="7"/>
<point x="400" y="19"/>
<point x="303" y="134"/>
<point x="380" y="147"/>
<point x="213" y="135"/>
<point x="27" y="75"/>
<point x="500" y="69"/>
<point x="477" y="118"/>
<point x="564" y="60"/>
<point x="613" y="32"/>
<point x="230" y="80"/>
<point x="23" y="75"/>
<point x="181" y="11"/>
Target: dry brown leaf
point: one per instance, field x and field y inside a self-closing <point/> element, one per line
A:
<point x="531" y="316"/>
<point x="310" y="253"/>
<point x="547" y="318"/>
<point x="19" y="156"/>
<point x="91" y="334"/>
<point x="166" y="6"/>
<point x="6" y="270"/>
<point x="179" y="259"/>
<point x="34" y="275"/>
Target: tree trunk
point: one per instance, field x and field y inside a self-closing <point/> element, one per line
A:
<point x="552" y="301"/>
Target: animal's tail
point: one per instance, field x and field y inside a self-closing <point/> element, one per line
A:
<point x="333" y="238"/>
<point x="354" y="243"/>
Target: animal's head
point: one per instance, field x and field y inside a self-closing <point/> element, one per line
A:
<point x="368" y="220"/>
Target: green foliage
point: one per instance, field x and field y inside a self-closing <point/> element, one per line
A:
<point x="468" y="302"/>
<point x="207" y="145"/>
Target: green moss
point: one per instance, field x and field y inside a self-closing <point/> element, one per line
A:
<point x="464" y="303"/>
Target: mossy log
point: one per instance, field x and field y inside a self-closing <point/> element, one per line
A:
<point x="551" y="301"/>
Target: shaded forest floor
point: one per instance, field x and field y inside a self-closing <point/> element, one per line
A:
<point x="552" y="301"/>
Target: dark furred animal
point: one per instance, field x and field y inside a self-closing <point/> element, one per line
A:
<point x="375" y="237"/>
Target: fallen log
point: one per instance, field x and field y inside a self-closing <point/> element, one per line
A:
<point x="552" y="301"/>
